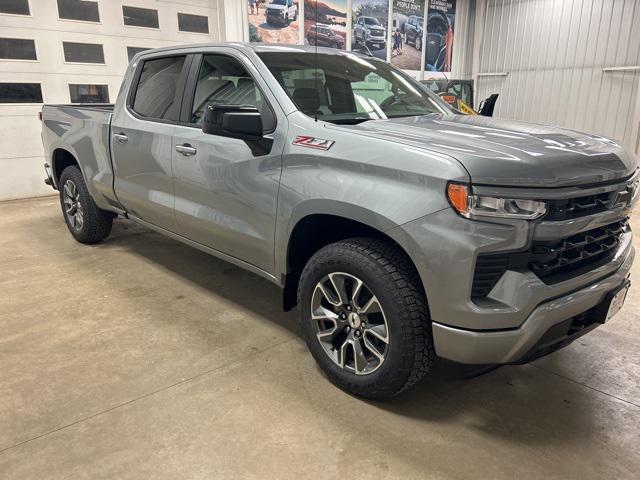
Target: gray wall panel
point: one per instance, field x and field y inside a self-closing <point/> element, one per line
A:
<point x="554" y="52"/>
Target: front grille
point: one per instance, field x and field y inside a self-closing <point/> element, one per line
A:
<point x="552" y="261"/>
<point x="578" y="207"/>
<point x="557" y="260"/>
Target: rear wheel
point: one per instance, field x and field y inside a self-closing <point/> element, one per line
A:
<point x="365" y="318"/>
<point x="86" y="222"/>
<point x="418" y="43"/>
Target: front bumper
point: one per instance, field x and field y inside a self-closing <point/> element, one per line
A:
<point x="275" y="17"/>
<point x="547" y="328"/>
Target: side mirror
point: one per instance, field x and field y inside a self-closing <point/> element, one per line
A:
<point x="235" y="121"/>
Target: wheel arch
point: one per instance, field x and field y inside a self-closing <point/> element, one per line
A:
<point x="313" y="231"/>
<point x="61" y="159"/>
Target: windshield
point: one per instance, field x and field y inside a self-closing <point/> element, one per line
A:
<point x="346" y="88"/>
<point x="278" y="2"/>
<point x="371" y="21"/>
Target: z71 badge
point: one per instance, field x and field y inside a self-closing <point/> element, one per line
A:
<point x="313" y="142"/>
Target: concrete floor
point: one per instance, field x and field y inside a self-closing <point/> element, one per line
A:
<point x="144" y="358"/>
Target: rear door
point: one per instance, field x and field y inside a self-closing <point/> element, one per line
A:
<point x="226" y="189"/>
<point x="141" y="143"/>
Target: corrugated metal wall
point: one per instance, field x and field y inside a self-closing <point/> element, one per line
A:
<point x="555" y="54"/>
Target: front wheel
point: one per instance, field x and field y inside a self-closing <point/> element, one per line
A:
<point x="365" y="317"/>
<point x="86" y="222"/>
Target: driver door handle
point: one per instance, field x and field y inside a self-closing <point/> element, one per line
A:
<point x="120" y="137"/>
<point x="186" y="149"/>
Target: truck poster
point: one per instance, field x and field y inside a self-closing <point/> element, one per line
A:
<point x="439" y="43"/>
<point x="369" y="27"/>
<point x="274" y="21"/>
<point x="325" y="23"/>
<point x="406" y="34"/>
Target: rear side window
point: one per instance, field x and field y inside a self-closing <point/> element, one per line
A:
<point x="155" y="95"/>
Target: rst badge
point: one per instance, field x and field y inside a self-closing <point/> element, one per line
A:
<point x="313" y="142"/>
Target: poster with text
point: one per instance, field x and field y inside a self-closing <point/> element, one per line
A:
<point x="274" y="21"/>
<point x="439" y="43"/>
<point x="325" y="23"/>
<point x="407" y="34"/>
<point x="369" y="23"/>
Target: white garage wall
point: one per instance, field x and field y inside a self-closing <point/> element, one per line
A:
<point x="21" y="155"/>
<point x="548" y="60"/>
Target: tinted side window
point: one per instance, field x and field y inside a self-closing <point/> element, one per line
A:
<point x="156" y="90"/>
<point x="224" y="80"/>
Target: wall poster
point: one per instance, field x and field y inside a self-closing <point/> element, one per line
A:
<point x="274" y="21"/>
<point x="439" y="43"/>
<point x="406" y="35"/>
<point x="369" y="27"/>
<point x="325" y="23"/>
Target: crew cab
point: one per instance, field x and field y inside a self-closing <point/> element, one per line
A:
<point x="400" y="230"/>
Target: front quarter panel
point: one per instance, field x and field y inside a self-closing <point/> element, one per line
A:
<point x="376" y="182"/>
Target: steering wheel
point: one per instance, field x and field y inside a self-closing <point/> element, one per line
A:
<point x="395" y="99"/>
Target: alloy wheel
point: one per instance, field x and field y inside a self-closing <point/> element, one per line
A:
<point x="351" y="324"/>
<point x="73" y="208"/>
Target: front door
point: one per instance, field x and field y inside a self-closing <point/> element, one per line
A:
<point x="226" y="189"/>
<point x="141" y="143"/>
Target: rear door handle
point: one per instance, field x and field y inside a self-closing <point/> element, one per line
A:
<point x="120" y="137"/>
<point x="186" y="149"/>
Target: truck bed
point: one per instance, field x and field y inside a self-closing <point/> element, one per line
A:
<point x="84" y="131"/>
<point x="102" y="107"/>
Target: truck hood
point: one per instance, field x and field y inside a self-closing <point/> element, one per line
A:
<point x="509" y="153"/>
<point x="276" y="6"/>
<point x="375" y="28"/>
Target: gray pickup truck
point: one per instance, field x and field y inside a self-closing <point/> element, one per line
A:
<point x="401" y="230"/>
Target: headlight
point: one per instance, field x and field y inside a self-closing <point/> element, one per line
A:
<point x="472" y="206"/>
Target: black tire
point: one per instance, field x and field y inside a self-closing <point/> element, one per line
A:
<point x="96" y="223"/>
<point x="390" y="276"/>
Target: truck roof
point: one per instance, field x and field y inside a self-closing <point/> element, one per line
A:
<point x="251" y="47"/>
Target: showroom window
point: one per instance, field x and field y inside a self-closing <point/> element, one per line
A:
<point x="20" y="93"/>
<point x="89" y="93"/>
<point x="17" y="49"/>
<point x="84" y="10"/>
<point x="140" y="17"/>
<point x="83" y="52"/>
<point x="15" y="7"/>
<point x="133" y="51"/>
<point x="193" y="23"/>
<point x="156" y="90"/>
